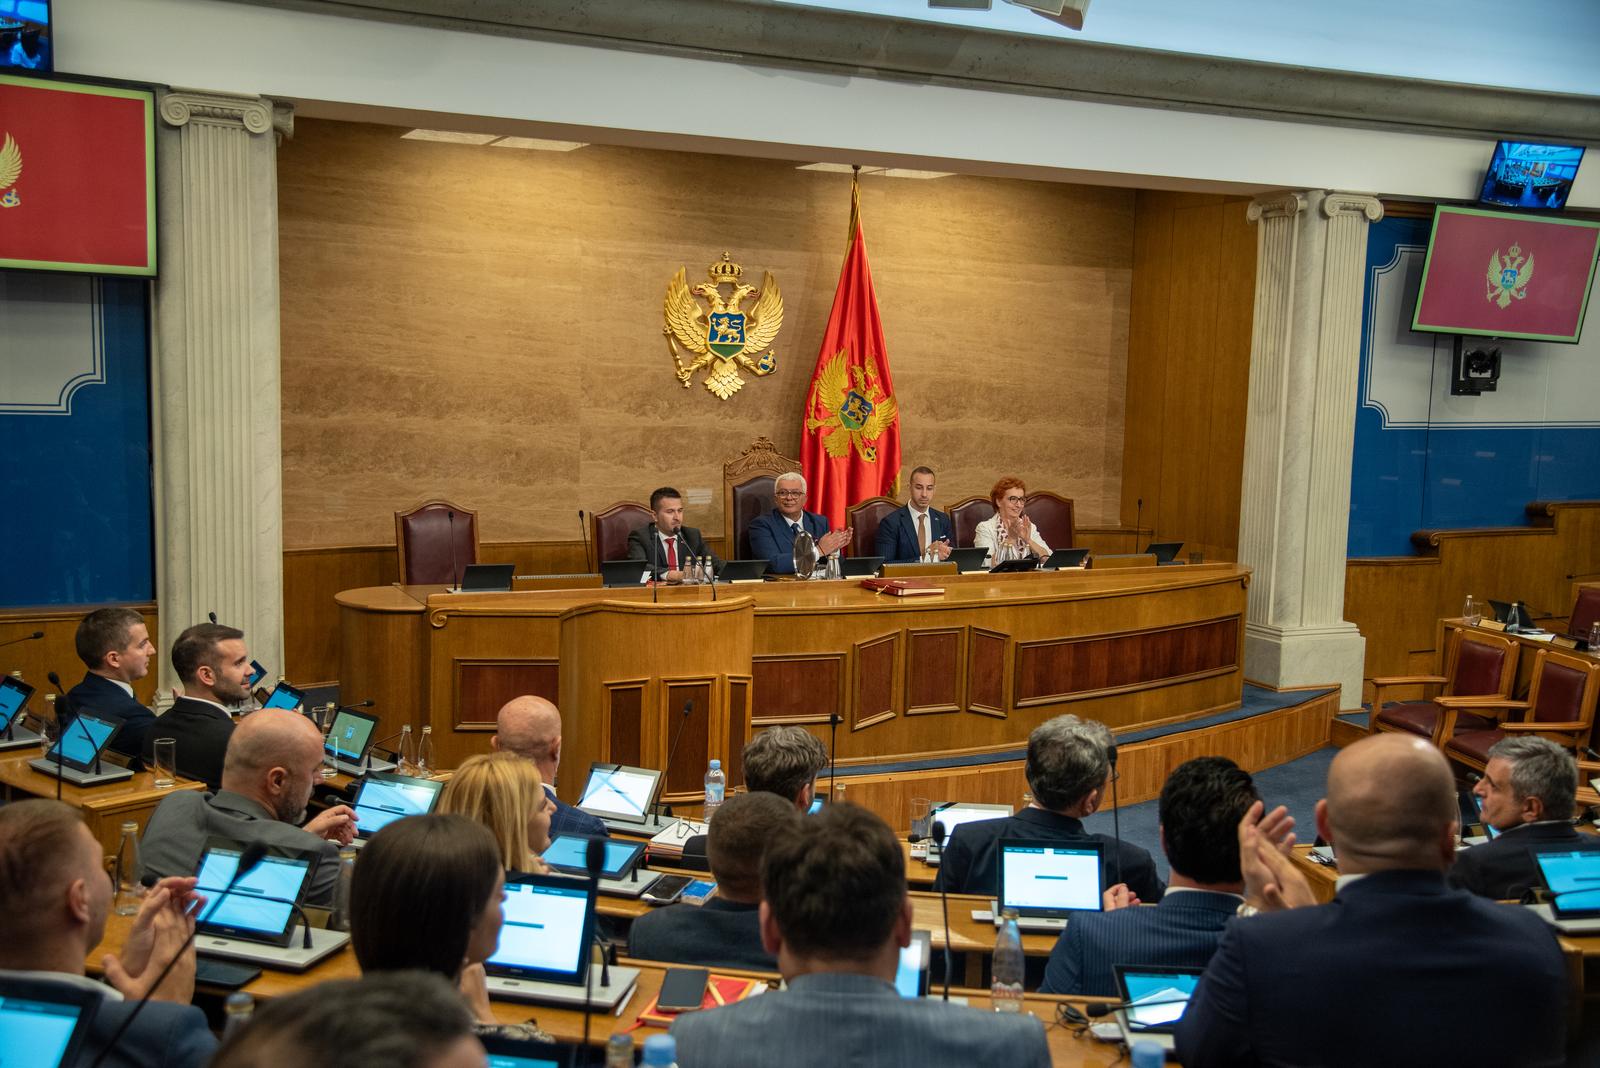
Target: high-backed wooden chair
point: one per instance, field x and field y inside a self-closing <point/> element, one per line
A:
<point x="1560" y="706"/>
<point x="1585" y="613"/>
<point x="610" y="529"/>
<point x="965" y="516"/>
<point x="747" y="491"/>
<point x="1052" y="514"/>
<point x="422" y="536"/>
<point x="864" y="520"/>
<point x="1477" y="664"/>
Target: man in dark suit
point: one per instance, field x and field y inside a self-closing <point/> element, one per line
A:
<point x="530" y="727"/>
<point x="674" y="544"/>
<point x="53" y="881"/>
<point x="780" y="760"/>
<point x="835" y="914"/>
<point x="917" y="531"/>
<point x="114" y="644"/>
<point x="725" y="932"/>
<point x="1529" y="793"/>
<point x="1068" y="769"/>
<point x="1299" y="986"/>
<point x="1201" y="805"/>
<point x="772" y="535"/>
<point x="214" y="666"/>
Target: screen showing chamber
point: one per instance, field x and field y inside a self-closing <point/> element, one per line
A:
<point x="1530" y="176"/>
<point x="25" y="43"/>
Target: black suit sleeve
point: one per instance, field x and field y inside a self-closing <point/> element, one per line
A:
<point x="1215" y="1029"/>
<point x="955" y="865"/>
<point x="887" y="541"/>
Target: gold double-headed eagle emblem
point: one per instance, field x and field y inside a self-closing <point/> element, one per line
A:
<point x="722" y="332"/>
<point x="10" y="171"/>
<point x="1509" y="276"/>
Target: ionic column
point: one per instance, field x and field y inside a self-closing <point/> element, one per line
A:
<point x="219" y="500"/>
<point x="1299" y="434"/>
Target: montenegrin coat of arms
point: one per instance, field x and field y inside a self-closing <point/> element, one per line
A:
<point x="721" y="332"/>
<point x="856" y="410"/>
<point x="10" y="171"/>
<point x="1509" y="275"/>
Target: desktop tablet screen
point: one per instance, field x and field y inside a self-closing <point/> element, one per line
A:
<point x="509" y="1060"/>
<point x="348" y="737"/>
<point x="1573" y="876"/>
<point x="34" y="1033"/>
<point x="545" y="929"/>
<point x="14" y="693"/>
<point x="1036" y="877"/>
<point x="568" y="853"/>
<point x="284" y="696"/>
<point x="81" y="739"/>
<point x="241" y="911"/>
<point x="911" y="977"/>
<point x="386" y="798"/>
<point x="954" y="813"/>
<point x="528" y="1053"/>
<point x="1156" y="998"/>
<point x="620" y="792"/>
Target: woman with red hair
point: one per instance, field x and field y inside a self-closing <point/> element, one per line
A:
<point x="1008" y="534"/>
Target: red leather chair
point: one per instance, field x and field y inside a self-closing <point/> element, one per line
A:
<point x="1560" y="706"/>
<point x="609" y="529"/>
<point x="1585" y="614"/>
<point x="1477" y="664"/>
<point x="864" y="519"/>
<point x="1052" y="514"/>
<point x="752" y="499"/>
<point x="747" y="491"/>
<point x="966" y="515"/>
<point x="422" y="536"/>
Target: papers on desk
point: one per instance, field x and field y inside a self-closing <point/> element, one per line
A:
<point x="669" y="843"/>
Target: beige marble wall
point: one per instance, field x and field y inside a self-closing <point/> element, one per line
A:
<point x="485" y="324"/>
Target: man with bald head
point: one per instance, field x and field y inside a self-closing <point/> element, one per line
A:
<point x="274" y="757"/>
<point x="530" y="727"/>
<point x="1390" y="971"/>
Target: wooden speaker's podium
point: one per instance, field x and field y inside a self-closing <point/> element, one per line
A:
<point x="635" y="681"/>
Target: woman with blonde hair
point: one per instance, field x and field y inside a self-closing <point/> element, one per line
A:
<point x="503" y="792"/>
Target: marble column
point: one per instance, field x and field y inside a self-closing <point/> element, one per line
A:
<point x="219" y="498"/>
<point x="1299" y="436"/>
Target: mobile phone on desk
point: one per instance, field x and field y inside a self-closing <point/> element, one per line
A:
<point x="683" y="989"/>
<point x="699" y="891"/>
<point x="666" y="890"/>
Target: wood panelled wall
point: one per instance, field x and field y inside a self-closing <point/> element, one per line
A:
<point x="1194" y="264"/>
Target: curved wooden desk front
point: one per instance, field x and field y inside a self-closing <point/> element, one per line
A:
<point x="966" y="672"/>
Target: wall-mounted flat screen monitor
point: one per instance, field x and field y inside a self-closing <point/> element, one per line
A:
<point x="1530" y="177"/>
<point x="1495" y="274"/>
<point x="25" y="42"/>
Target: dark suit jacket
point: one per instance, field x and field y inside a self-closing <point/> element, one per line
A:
<point x="897" y="535"/>
<point x="1182" y="931"/>
<point x="202" y="731"/>
<point x="689" y="542"/>
<point x="104" y="698"/>
<point x="1392" y="971"/>
<point x="1502" y="868"/>
<point x="718" y="934"/>
<point x="772" y="539"/>
<point x="696" y="853"/>
<point x="970" y="864"/>
<point x="569" y="820"/>
<point x="164" y="1035"/>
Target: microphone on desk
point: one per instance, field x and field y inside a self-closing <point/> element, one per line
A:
<point x="455" y="567"/>
<point x="594" y="862"/>
<point x="211" y="616"/>
<point x="583" y="533"/>
<point x="1116" y="822"/>
<point x="833" y="752"/>
<point x="655" y="570"/>
<point x="1138" y="514"/>
<point x="944" y="903"/>
<point x="64" y="720"/>
<point x="35" y="636"/>
<point x="666" y="772"/>
<point x="249" y="858"/>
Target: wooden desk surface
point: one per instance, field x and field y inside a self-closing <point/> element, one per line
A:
<point x="105" y="808"/>
<point x="1322" y="878"/>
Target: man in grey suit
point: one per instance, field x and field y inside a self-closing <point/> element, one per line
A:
<point x="57" y="897"/>
<point x="273" y="759"/>
<point x="836" y="915"/>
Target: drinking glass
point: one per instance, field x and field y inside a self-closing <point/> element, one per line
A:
<point x="1594" y="638"/>
<point x="164" y="762"/>
<point x="920" y="809"/>
<point x="1473" y="610"/>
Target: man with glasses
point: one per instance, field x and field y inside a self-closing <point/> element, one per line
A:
<point x="772" y="535"/>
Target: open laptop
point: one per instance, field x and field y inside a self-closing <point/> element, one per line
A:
<point x="544" y="948"/>
<point x="624" y="572"/>
<point x="384" y="797"/>
<point x="76" y="754"/>
<point x="255" y="921"/>
<point x="14" y="694"/>
<point x="1164" y="551"/>
<point x="620" y="874"/>
<point x="621" y="797"/>
<point x="969" y="559"/>
<point x="487" y="578"/>
<point x="285" y="696"/>
<point x="349" y="740"/>
<point x="744" y="571"/>
<point x="43" y="1023"/>
<point x="861" y="566"/>
<point x="911" y="976"/>
<point x="953" y="814"/>
<point x="1573" y="876"/>
<point x="1046" y="882"/>
<point x="1156" y="997"/>
<point x="1064" y="558"/>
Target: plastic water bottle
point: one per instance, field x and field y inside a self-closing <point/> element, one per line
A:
<point x="1005" y="992"/>
<point x="1147" y="1054"/>
<point x="619" y="1051"/>
<point x="716" y="786"/>
<point x="425" y="754"/>
<point x="660" y="1051"/>
<point x="408" y="752"/>
<point x="237" y="1011"/>
<point x="129" y="888"/>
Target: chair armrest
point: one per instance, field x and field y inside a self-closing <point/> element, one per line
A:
<point x="1566" y="727"/>
<point x="1407" y="680"/>
<point x="1480" y="701"/>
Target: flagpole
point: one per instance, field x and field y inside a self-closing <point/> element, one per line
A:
<point x="855" y="204"/>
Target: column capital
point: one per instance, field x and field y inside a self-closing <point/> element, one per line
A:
<point x="1336" y="204"/>
<point x="1275" y="206"/>
<point x="255" y="114"/>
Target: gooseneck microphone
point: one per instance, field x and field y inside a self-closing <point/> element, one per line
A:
<point x="35" y="636"/>
<point x="944" y="902"/>
<point x="655" y="569"/>
<point x="1138" y="514"/>
<point x="249" y="858"/>
<point x="1116" y="822"/>
<point x="64" y="721"/>
<point x="666" y="772"/>
<point x="455" y="567"/>
<point x="594" y="862"/>
<point x="833" y="753"/>
<point x="583" y="534"/>
<point x="211" y="616"/>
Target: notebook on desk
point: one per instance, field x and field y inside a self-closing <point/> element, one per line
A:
<point x="1046" y="882"/>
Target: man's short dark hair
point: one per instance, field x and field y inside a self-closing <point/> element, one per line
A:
<point x="837" y="885"/>
<point x="662" y="494"/>
<point x="740" y="832"/>
<point x="783" y="760"/>
<point x="1067" y="758"/>
<point x="103" y="631"/>
<point x="915" y="471"/>
<point x="396" y="1019"/>
<point x="197" y="648"/>
<point x="36" y="861"/>
<point x="1201" y="805"/>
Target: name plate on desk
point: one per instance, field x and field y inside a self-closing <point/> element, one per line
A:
<point x="1492" y="624"/>
<point x="1563" y="643"/>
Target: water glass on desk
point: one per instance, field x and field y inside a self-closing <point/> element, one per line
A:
<point x="164" y="762"/>
<point x="1594" y="638"/>
<point x="1473" y="611"/>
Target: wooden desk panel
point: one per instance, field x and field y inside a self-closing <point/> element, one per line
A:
<point x="105" y="808"/>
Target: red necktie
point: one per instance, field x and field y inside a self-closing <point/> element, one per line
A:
<point x="672" y="554"/>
